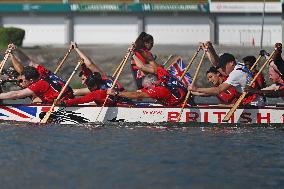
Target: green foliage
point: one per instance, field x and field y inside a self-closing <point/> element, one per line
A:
<point x="11" y="35"/>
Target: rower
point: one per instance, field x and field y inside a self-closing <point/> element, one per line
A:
<point x="238" y="76"/>
<point x="143" y="45"/>
<point x="276" y="74"/>
<point x="227" y="97"/>
<point x="259" y="82"/>
<point x="89" y="68"/>
<point x="55" y="82"/>
<point x="33" y="85"/>
<point x="97" y="94"/>
<point x="159" y="85"/>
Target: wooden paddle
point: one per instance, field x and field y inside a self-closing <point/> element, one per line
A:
<point x="47" y="115"/>
<point x="119" y="66"/>
<point x="189" y="64"/>
<point x="130" y="50"/>
<point x="193" y="83"/>
<point x="168" y="60"/>
<point x="256" y="62"/>
<point x="5" y="59"/>
<point x="238" y="102"/>
<point x="63" y="60"/>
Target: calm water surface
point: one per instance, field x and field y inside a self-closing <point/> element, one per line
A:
<point x="140" y="156"/>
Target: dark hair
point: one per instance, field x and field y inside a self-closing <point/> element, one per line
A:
<point x="142" y="38"/>
<point x="225" y="59"/>
<point x="94" y="80"/>
<point x="30" y="73"/>
<point x="249" y="60"/>
<point x="213" y="70"/>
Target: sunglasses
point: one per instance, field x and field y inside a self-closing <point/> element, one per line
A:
<point x="20" y="81"/>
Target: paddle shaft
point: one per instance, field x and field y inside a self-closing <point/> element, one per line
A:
<point x="63" y="60"/>
<point x="238" y="102"/>
<point x="189" y="64"/>
<point x="118" y="67"/>
<point x="256" y="62"/>
<point x="47" y="115"/>
<point x="5" y="59"/>
<point x="193" y="82"/>
<point x="116" y="78"/>
<point x="168" y="59"/>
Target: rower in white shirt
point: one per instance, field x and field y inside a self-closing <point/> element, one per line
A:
<point x="238" y="76"/>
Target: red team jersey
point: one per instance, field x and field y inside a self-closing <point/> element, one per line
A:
<point x="229" y="96"/>
<point x="162" y="93"/>
<point x="44" y="90"/>
<point x="97" y="96"/>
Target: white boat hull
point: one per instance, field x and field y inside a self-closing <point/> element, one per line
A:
<point x="152" y="114"/>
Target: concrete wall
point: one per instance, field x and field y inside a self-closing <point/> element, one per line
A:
<point x="167" y="28"/>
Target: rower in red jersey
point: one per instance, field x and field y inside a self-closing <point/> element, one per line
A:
<point x="258" y="84"/>
<point x="142" y="50"/>
<point x="276" y="74"/>
<point x="97" y="95"/>
<point x="55" y="82"/>
<point x="88" y="68"/>
<point x="160" y="86"/>
<point x="33" y="85"/>
<point x="238" y="74"/>
<point x="228" y="96"/>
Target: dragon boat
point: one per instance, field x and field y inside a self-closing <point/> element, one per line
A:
<point x="141" y="112"/>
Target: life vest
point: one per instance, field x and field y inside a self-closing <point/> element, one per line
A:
<point x="176" y="87"/>
<point x="57" y="84"/>
<point x="245" y="69"/>
<point x="137" y="74"/>
<point x="251" y="98"/>
<point x="229" y="96"/>
<point x="107" y="84"/>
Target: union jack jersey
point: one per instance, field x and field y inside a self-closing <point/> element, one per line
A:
<point x="177" y="68"/>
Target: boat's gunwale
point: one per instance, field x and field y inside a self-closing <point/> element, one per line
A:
<point x="198" y="106"/>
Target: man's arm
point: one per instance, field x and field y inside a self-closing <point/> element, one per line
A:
<point x="16" y="64"/>
<point x="211" y="53"/>
<point x="200" y="94"/>
<point x="81" y="92"/>
<point x="210" y="90"/>
<point x="134" y="95"/>
<point x="88" y="62"/>
<point x="131" y="95"/>
<point x="16" y="94"/>
<point x="21" y="56"/>
<point x="272" y="94"/>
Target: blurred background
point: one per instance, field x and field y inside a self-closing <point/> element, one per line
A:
<point x="183" y="22"/>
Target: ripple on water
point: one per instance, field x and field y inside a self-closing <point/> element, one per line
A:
<point x="123" y="155"/>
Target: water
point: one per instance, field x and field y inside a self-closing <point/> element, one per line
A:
<point x="140" y="156"/>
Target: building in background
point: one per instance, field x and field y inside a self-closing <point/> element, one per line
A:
<point x="184" y="22"/>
